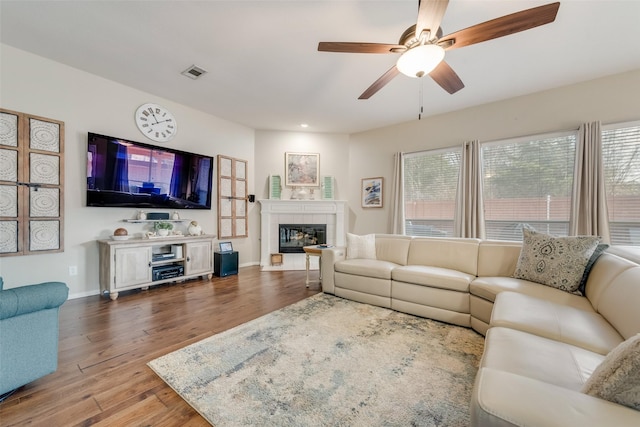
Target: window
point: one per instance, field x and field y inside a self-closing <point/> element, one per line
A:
<point x="528" y="181"/>
<point x="430" y="181"/>
<point x="621" y="163"/>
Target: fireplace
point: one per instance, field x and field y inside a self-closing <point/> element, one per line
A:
<point x="293" y="237"/>
<point x="273" y="212"/>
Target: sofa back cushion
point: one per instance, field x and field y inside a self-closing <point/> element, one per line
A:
<point x="393" y="248"/>
<point x="455" y="253"/>
<point x="619" y="302"/>
<point x="606" y="268"/>
<point x="498" y="258"/>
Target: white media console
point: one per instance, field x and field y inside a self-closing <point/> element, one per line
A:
<point x="140" y="263"/>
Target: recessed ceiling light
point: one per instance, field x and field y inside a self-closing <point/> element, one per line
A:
<point x="304" y="125"/>
<point x="194" y="72"/>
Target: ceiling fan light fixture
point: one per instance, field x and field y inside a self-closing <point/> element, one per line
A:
<point x="420" y="60"/>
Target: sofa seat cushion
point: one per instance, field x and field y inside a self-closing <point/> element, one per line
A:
<point x="434" y="277"/>
<point x="430" y="296"/>
<point x="366" y="267"/>
<point x="582" y="328"/>
<point x="489" y="287"/>
<point x="363" y="284"/>
<point x="504" y="399"/>
<point x="539" y="358"/>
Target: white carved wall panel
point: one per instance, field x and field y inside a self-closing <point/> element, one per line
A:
<point x="8" y="200"/>
<point x="8" y="165"/>
<point x="44" y="235"/>
<point x="8" y="237"/>
<point x="44" y="202"/>
<point x="44" y="169"/>
<point x="8" y="129"/>
<point x="45" y="136"/>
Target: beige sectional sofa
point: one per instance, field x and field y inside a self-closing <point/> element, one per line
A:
<point x="542" y="344"/>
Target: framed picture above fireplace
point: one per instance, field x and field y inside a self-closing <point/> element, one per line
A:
<point x="302" y="169"/>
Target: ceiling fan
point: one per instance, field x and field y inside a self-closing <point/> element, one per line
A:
<point x="423" y="46"/>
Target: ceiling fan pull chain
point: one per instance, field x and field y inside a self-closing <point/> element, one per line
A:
<point x="421" y="99"/>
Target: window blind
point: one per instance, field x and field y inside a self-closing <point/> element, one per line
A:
<point x="621" y="163"/>
<point x="528" y="181"/>
<point x="430" y="182"/>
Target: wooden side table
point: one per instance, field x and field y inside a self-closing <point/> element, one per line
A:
<point x="314" y="250"/>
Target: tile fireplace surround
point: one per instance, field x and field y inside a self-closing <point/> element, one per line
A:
<point x="333" y="213"/>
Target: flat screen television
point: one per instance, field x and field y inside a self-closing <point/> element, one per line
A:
<point x="123" y="173"/>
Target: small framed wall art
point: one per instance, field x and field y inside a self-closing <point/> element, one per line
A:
<point x="372" y="192"/>
<point x="302" y="169"/>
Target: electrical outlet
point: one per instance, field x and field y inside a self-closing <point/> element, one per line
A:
<point x="73" y="270"/>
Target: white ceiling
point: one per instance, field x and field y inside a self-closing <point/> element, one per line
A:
<point x="264" y="70"/>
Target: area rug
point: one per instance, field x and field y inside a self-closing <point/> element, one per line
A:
<point x="327" y="361"/>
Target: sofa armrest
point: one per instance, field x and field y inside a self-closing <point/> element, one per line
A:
<point x="31" y="298"/>
<point x="504" y="399"/>
<point x="329" y="257"/>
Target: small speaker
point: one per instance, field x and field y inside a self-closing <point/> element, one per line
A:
<point x="225" y="264"/>
<point x="158" y="215"/>
<point x="252" y="198"/>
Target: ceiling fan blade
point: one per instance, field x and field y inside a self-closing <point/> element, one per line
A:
<point x="380" y="83"/>
<point x="444" y="75"/>
<point x="430" y="15"/>
<point x="349" y="47"/>
<point x="499" y="27"/>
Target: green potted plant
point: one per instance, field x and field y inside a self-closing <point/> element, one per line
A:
<point x="163" y="228"/>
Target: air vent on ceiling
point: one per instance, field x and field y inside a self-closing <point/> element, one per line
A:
<point x="194" y="72"/>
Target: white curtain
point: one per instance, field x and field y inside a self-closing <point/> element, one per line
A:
<point x="396" y="218"/>
<point x="588" y="201"/>
<point x="469" y="214"/>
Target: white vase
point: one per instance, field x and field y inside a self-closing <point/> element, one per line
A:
<point x="163" y="232"/>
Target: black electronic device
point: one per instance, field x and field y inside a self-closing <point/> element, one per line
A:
<point x="124" y="173"/>
<point x="158" y="215"/>
<point x="167" y="272"/>
<point x="163" y="256"/>
<point x="225" y="263"/>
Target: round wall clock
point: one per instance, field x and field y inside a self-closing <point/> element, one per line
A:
<point x="156" y="122"/>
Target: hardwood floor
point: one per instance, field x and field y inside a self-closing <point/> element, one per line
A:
<point x="102" y="377"/>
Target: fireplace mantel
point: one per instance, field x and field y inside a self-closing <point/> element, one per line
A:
<point x="273" y="212"/>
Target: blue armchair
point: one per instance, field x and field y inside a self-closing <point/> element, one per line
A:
<point x="29" y="332"/>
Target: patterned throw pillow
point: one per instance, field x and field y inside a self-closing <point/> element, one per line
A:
<point x="559" y="262"/>
<point x="617" y="378"/>
<point x="361" y="246"/>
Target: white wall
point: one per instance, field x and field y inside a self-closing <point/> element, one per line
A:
<point x="612" y="99"/>
<point x="270" y="149"/>
<point x="87" y="103"/>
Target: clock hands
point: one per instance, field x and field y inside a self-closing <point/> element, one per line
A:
<point x="154" y="116"/>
